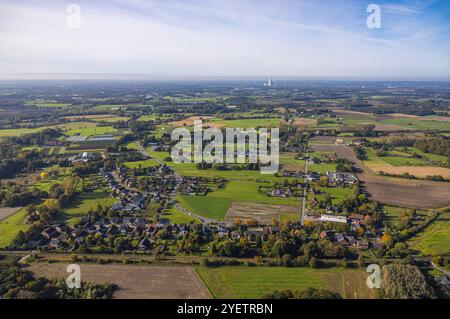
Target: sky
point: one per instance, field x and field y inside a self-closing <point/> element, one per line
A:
<point x="230" y="38"/>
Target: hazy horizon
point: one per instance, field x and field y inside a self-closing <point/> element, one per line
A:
<point x="162" y="78"/>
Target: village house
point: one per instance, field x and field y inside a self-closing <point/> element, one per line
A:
<point x="341" y="178"/>
<point x="252" y="233"/>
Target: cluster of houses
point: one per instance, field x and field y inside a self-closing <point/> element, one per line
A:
<point x="357" y="228"/>
<point x="84" y="157"/>
<point x="191" y="186"/>
<point x="139" y="230"/>
<point x="310" y="177"/>
<point x="341" y="178"/>
<point x="128" y="200"/>
<point x="283" y="192"/>
<point x="66" y="237"/>
<point x="123" y="178"/>
<point x="334" y="178"/>
<point x="351" y="240"/>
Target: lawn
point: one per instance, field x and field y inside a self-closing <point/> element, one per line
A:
<point x="248" y="123"/>
<point x="22" y="131"/>
<point x="337" y="193"/>
<point x="147" y="163"/>
<point x="254" y="282"/>
<point x="419" y="123"/>
<point x="431" y="157"/>
<point x="207" y="206"/>
<point x="89" y="129"/>
<point x="112" y="119"/>
<point x="288" y="161"/>
<point x="10" y="227"/>
<point x="393" y="212"/>
<point x="154" y="117"/>
<point x="322" y="168"/>
<point x="173" y="215"/>
<point x="393" y="158"/>
<point x="81" y="205"/>
<point x="372" y="159"/>
<point x="402" y="161"/>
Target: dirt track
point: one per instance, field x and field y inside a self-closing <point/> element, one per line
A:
<point x="136" y="282"/>
<point x="394" y="191"/>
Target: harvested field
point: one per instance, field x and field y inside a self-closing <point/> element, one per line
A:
<point x="394" y="191"/>
<point x="8" y="211"/>
<point x="353" y="113"/>
<point x="417" y="171"/>
<point x="408" y="193"/>
<point x="24" y="180"/>
<point x="300" y="121"/>
<point x="341" y="151"/>
<point x="190" y="121"/>
<point x="263" y="213"/>
<point x="136" y="282"/>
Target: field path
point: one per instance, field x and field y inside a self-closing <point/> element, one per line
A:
<point x="5" y="212"/>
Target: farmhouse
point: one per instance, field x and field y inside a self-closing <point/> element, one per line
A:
<point x="82" y="157"/>
<point x="341" y="178"/>
<point x="333" y="218"/>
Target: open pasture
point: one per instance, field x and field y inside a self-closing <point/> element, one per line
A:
<point x="81" y="205"/>
<point x="416" y="171"/>
<point x="435" y="239"/>
<point x="11" y="225"/>
<point x="255" y="282"/>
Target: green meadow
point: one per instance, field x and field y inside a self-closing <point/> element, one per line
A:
<point x="22" y="131"/>
<point x="91" y="129"/>
<point x="173" y="215"/>
<point x="10" y="227"/>
<point x="254" y="282"/>
<point x="248" y="123"/>
<point x="421" y="124"/>
<point x="82" y="203"/>
<point x="435" y="239"/>
<point x="142" y="164"/>
<point x="216" y="204"/>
